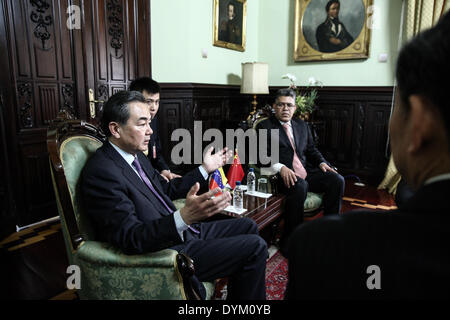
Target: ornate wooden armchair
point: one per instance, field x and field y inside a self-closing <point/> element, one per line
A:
<point x="106" y="272"/>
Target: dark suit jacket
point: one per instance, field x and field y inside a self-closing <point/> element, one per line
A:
<point x="155" y="150"/>
<point x="324" y="32"/>
<point x="329" y="257"/>
<point x="123" y="209"/>
<point x="304" y="143"/>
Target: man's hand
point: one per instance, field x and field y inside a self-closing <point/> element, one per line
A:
<point x="198" y="208"/>
<point x="288" y="176"/>
<point x="212" y="162"/>
<point x="324" y="167"/>
<point x="335" y="41"/>
<point x="166" y="174"/>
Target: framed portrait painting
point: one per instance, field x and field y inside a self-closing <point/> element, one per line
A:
<point x="230" y="23"/>
<point x="332" y="30"/>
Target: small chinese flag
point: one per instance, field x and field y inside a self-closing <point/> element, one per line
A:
<point x="235" y="173"/>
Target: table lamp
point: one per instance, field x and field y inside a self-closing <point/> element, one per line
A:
<point x="255" y="80"/>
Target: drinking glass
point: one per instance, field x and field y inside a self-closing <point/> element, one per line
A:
<point x="262" y="185"/>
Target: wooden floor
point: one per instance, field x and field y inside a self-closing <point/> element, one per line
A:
<point x="36" y="261"/>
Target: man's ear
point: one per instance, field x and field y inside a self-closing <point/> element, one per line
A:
<point x="114" y="128"/>
<point x="421" y="123"/>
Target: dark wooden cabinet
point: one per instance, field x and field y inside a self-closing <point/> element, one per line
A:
<point x="355" y="134"/>
<point x="47" y="67"/>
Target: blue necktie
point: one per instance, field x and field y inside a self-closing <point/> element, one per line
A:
<point x="146" y="180"/>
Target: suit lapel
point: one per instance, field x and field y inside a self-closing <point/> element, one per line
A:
<point x="132" y="177"/>
<point x="150" y="171"/>
<point x="283" y="135"/>
<point x="297" y="132"/>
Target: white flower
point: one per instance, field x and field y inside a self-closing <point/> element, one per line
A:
<point x="314" y="82"/>
<point x="289" y="76"/>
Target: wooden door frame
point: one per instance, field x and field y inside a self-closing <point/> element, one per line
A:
<point x="15" y="186"/>
<point x="143" y="62"/>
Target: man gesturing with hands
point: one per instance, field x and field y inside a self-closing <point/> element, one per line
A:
<point x="130" y="204"/>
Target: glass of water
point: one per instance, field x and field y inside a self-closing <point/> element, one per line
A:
<point x="262" y="185"/>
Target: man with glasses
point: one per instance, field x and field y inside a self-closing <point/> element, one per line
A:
<point x="301" y="166"/>
<point x="151" y="90"/>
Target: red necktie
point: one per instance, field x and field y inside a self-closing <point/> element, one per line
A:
<point x="296" y="163"/>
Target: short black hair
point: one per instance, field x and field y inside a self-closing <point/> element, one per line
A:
<point x="145" y="83"/>
<point x="423" y="68"/>
<point x="285" y="93"/>
<point x="116" y="109"/>
<point x="327" y="7"/>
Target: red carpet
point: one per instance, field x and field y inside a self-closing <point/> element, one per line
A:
<point x="276" y="277"/>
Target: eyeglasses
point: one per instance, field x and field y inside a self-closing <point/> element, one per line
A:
<point x="151" y="101"/>
<point x="285" y="104"/>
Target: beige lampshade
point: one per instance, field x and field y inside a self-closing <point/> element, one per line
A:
<point x="255" y="78"/>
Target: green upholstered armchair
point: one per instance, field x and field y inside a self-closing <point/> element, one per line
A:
<point x="313" y="201"/>
<point x="106" y="272"/>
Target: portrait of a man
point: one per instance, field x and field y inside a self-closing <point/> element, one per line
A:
<point x="331" y="29"/>
<point x="332" y="35"/>
<point x="229" y="24"/>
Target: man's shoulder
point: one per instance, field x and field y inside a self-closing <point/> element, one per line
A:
<point x="323" y="26"/>
<point x="267" y="123"/>
<point x="364" y="224"/>
<point x="298" y="121"/>
<point x="99" y="160"/>
<point x="349" y="222"/>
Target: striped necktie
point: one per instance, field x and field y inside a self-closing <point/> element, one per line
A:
<point x="296" y="163"/>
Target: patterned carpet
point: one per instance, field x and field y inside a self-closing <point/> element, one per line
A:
<point x="276" y="277"/>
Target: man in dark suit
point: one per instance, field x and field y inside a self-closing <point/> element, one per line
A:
<point x="230" y="29"/>
<point x="151" y="91"/>
<point x="403" y="253"/>
<point x="301" y="166"/>
<point x="130" y="204"/>
<point x="332" y="35"/>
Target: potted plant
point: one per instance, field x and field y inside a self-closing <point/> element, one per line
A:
<point x="305" y="100"/>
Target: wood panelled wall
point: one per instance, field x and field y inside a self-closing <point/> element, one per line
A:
<point x="47" y="66"/>
<point x="352" y="122"/>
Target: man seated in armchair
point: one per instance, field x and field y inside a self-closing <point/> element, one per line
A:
<point x="301" y="166"/>
<point x="130" y="204"/>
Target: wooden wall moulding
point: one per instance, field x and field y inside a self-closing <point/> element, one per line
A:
<point x="25" y="94"/>
<point x="115" y="29"/>
<point x="43" y="19"/>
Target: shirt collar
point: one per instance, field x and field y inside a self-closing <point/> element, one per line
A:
<point x="441" y="177"/>
<point x="283" y="123"/>
<point x="128" y="157"/>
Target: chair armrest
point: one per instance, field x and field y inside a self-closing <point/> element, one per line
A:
<point x="103" y="253"/>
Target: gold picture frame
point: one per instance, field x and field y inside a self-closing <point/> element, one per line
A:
<point x="230" y="33"/>
<point x="315" y="31"/>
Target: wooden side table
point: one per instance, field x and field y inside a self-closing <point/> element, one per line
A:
<point x="263" y="211"/>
